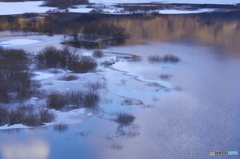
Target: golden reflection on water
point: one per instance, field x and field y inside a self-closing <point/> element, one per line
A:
<point x="27" y="148"/>
<point x="221" y="30"/>
<point x="215" y="31"/>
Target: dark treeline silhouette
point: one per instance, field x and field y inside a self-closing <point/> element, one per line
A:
<point x="62" y="4"/>
<point x="17" y="0"/>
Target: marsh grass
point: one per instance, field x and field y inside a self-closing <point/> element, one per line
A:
<point x="125" y="119"/>
<point x="26" y="115"/>
<point x="15" y="77"/>
<point x="170" y="58"/>
<point x="88" y="98"/>
<point x="69" y="78"/>
<point x="115" y="146"/>
<point x="154" y="58"/>
<point x="166" y="59"/>
<point x="165" y="76"/>
<point x="56" y="101"/>
<point x="107" y="63"/>
<point x="51" y="57"/>
<point x="98" y="54"/>
<point x="60" y="127"/>
<point x="63" y="4"/>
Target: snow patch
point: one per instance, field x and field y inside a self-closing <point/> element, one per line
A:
<point x="8" y="8"/>
<point x="18" y="42"/>
<point x="15" y="126"/>
<point x="42" y="75"/>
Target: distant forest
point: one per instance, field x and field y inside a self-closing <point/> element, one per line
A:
<point x="17" y="0"/>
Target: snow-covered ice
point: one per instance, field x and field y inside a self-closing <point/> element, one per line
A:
<point x="42" y="75"/>
<point x="15" y="126"/>
<point x="172" y="11"/>
<point x="8" y="8"/>
<point x="18" y="42"/>
<point x="168" y="1"/>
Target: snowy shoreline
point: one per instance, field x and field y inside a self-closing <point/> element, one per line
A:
<point x="108" y="7"/>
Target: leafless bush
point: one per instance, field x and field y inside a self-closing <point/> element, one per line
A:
<point x="3" y="115"/>
<point x="46" y="115"/>
<point x="107" y="63"/>
<point x="116" y="146"/>
<point x="62" y="4"/>
<point x="60" y="127"/>
<point x="171" y="58"/>
<point x="56" y="101"/>
<point x="91" y="99"/>
<point x="55" y="71"/>
<point x="165" y="76"/>
<point x="74" y="98"/>
<point x="26" y="115"/>
<point x="51" y="57"/>
<point x="127" y="102"/>
<point x="94" y="86"/>
<point x="98" y="54"/>
<point x="15" y="117"/>
<point x="124" y="119"/>
<point x="154" y="58"/>
<point x="32" y="120"/>
<point x="82" y="65"/>
<point x="166" y="58"/>
<point x="69" y="78"/>
<point x="15" y="78"/>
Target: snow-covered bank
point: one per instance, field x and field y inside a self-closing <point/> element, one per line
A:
<point x="168" y="1"/>
<point x="18" y="42"/>
<point x="10" y="8"/>
<point x="70" y="117"/>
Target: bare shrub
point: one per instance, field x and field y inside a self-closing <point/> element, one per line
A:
<point x="94" y="86"/>
<point x="116" y="146"/>
<point x="171" y="58"/>
<point x="74" y="98"/>
<point x="166" y="58"/>
<point x="63" y="4"/>
<point x="165" y="76"/>
<point x="107" y="63"/>
<point x="69" y="78"/>
<point x="127" y="102"/>
<point x="125" y="119"/>
<point x="82" y="65"/>
<point x="51" y="57"/>
<point x="98" y="54"/>
<point x="3" y="115"/>
<point x="32" y="120"/>
<point x="55" y="71"/>
<point x="56" y="101"/>
<point x="46" y="115"/>
<point x="26" y="115"/>
<point x="91" y="99"/>
<point x="15" y="78"/>
<point x="154" y="58"/>
<point x="60" y="127"/>
<point x="15" y="117"/>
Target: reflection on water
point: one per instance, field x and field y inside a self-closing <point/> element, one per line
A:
<point x="222" y="30"/>
<point x="24" y="148"/>
<point x="217" y="29"/>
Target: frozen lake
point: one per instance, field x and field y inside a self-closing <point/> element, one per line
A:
<point x="196" y="112"/>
